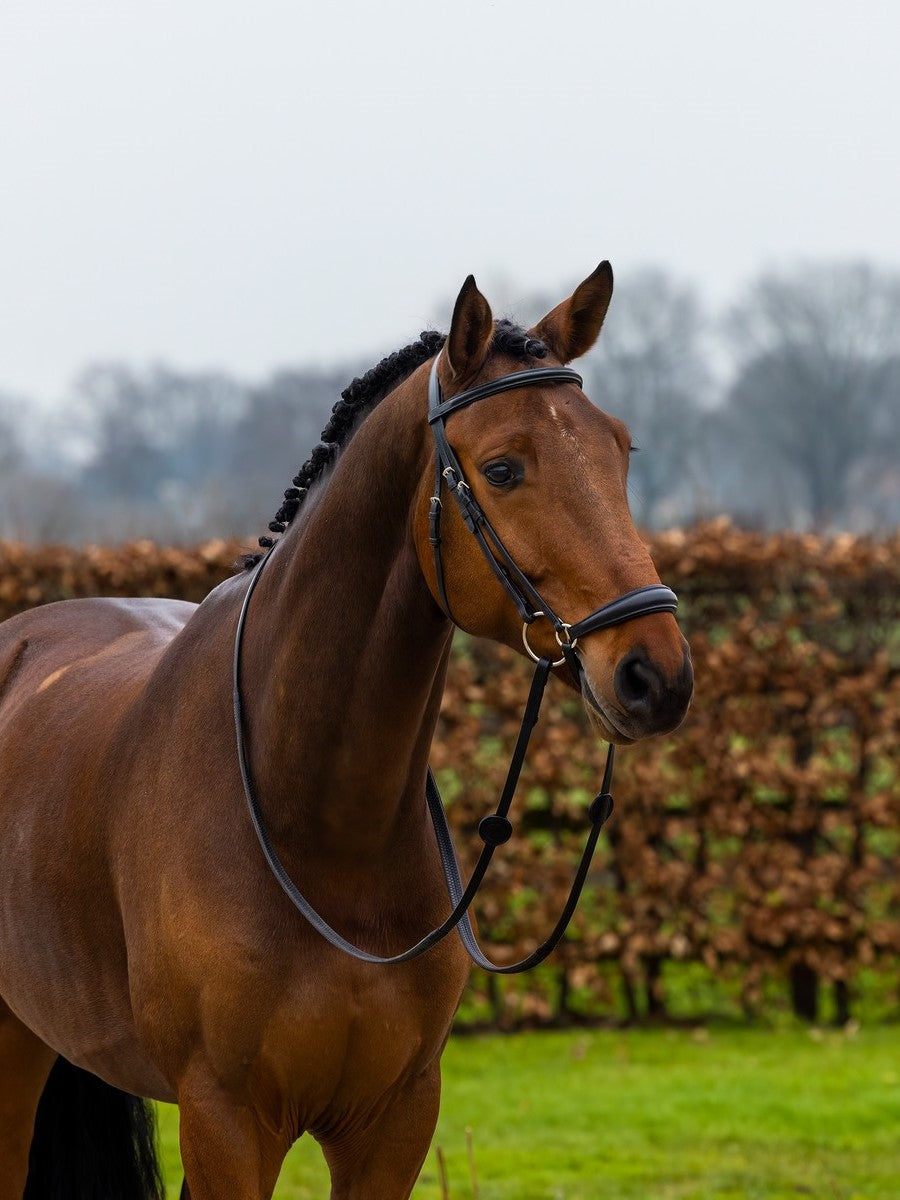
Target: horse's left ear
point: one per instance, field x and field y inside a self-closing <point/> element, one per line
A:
<point x="573" y="326"/>
<point x="471" y="331"/>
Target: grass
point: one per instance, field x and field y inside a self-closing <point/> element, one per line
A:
<point x="718" y="1114"/>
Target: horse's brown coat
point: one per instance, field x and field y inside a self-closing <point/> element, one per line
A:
<point x="141" y="935"/>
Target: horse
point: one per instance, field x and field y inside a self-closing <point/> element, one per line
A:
<point x="146" y="950"/>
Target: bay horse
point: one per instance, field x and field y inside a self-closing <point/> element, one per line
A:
<point x="146" y="951"/>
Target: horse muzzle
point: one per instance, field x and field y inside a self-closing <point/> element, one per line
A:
<point x="642" y="698"/>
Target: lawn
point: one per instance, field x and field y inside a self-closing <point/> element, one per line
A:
<point x="718" y="1114"/>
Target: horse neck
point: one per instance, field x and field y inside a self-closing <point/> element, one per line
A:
<point x="346" y="651"/>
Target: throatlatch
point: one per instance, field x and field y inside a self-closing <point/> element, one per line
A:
<point x="495" y="829"/>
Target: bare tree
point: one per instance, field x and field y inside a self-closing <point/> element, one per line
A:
<point x="10" y="443"/>
<point x="36" y="499"/>
<point x="176" y="455"/>
<point x="281" y="422"/>
<point x="149" y="427"/>
<point x="650" y="370"/>
<point x="814" y="410"/>
<point x="11" y="455"/>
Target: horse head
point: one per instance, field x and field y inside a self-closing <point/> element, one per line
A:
<point x="548" y="471"/>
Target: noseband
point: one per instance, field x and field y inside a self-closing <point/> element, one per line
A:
<point x="496" y="828"/>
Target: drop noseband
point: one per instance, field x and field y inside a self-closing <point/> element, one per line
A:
<point x="496" y="828"/>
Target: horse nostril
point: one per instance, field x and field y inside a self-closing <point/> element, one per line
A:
<point x="637" y="682"/>
<point x="655" y="701"/>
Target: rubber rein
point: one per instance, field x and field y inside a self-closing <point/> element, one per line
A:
<point x="496" y="828"/>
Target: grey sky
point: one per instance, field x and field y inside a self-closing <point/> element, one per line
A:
<point x="247" y="185"/>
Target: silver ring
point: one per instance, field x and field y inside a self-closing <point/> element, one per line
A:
<point x="570" y="642"/>
<point x="531" y="654"/>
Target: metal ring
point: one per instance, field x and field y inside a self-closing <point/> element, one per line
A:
<point x="570" y="643"/>
<point x="531" y="654"/>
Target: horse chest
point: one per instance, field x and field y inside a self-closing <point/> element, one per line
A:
<point x="276" y="1012"/>
<point x="380" y="1027"/>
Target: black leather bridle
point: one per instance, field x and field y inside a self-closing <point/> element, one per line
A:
<point x="496" y="828"/>
<point x="641" y="602"/>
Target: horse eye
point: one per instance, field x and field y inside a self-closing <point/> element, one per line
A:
<point x="499" y="473"/>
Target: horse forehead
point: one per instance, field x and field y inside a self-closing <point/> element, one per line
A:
<point x="577" y="446"/>
<point x="583" y="448"/>
<point x="565" y="409"/>
<point x="564" y="425"/>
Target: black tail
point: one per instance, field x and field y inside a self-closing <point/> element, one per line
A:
<point x="92" y="1142"/>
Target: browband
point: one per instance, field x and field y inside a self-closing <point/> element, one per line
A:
<point x="438" y="408"/>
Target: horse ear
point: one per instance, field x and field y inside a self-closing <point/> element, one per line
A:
<point x="573" y="326"/>
<point x="471" y="330"/>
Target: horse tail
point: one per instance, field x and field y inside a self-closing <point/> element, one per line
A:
<point x="92" y="1142"/>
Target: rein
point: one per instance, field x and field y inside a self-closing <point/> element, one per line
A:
<point x="495" y="829"/>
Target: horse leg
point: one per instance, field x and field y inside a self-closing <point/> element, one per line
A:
<point x="382" y="1162"/>
<point x="25" y="1063"/>
<point x="228" y="1150"/>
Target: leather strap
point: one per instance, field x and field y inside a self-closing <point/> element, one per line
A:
<point x="506" y="383"/>
<point x="526" y="598"/>
<point x="642" y="602"/>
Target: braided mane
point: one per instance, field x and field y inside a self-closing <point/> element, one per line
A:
<point x="362" y="395"/>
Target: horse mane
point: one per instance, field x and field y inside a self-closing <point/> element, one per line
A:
<point x="362" y="395"/>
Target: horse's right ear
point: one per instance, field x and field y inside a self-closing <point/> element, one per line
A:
<point x="573" y="326"/>
<point x="471" y="330"/>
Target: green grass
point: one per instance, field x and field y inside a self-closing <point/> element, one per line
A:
<point x="722" y="1114"/>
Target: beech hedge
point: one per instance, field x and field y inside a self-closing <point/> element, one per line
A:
<point x="758" y="845"/>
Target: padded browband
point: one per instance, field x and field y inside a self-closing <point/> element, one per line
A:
<point x="506" y="383"/>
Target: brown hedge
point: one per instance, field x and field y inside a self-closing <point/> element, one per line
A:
<point x="759" y="841"/>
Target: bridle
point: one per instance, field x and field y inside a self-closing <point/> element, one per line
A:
<point x="641" y="602"/>
<point x="495" y="829"/>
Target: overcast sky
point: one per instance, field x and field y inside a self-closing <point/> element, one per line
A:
<point x="247" y="185"/>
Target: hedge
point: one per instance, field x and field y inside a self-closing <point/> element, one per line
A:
<point x="758" y="843"/>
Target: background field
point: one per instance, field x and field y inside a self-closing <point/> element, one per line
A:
<point x="703" y="1114"/>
